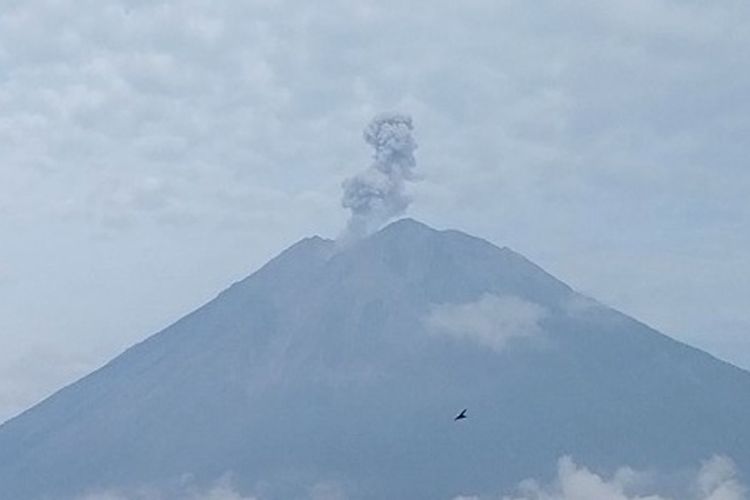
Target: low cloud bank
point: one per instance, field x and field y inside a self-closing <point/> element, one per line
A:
<point x="491" y="321"/>
<point x="715" y="480"/>
<point x="222" y="489"/>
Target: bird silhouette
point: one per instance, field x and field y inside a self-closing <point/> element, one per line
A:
<point x="461" y="415"/>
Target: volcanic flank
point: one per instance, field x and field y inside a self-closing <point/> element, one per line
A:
<point x="347" y="366"/>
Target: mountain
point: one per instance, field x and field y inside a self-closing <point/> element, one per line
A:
<point x="347" y="365"/>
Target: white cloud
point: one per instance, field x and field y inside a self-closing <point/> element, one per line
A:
<point x="222" y="489"/>
<point x="714" y="481"/>
<point x="491" y="321"/>
<point x="717" y="482"/>
<point x="328" y="490"/>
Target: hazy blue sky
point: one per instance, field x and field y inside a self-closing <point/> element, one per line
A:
<point x="152" y="152"/>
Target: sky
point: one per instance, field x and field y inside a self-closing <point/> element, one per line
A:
<point x="153" y="152"/>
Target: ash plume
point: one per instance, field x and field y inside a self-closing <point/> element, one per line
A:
<point x="378" y="194"/>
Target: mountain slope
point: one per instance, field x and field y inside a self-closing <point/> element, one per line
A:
<point x="348" y="365"/>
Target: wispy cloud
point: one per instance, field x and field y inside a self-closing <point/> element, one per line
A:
<point x="492" y="321"/>
<point x="221" y="489"/>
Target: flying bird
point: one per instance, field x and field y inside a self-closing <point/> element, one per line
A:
<point x="461" y="415"/>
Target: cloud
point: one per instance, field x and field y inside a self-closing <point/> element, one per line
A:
<point x="222" y="489"/>
<point x="328" y="490"/>
<point x="492" y="321"/>
<point x="716" y="480"/>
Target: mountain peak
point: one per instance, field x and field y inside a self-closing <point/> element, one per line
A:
<point x="410" y="228"/>
<point x="407" y="224"/>
<point x="452" y="266"/>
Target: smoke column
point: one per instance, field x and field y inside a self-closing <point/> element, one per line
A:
<point x="377" y="194"/>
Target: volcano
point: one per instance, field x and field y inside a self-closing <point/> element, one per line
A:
<point x="347" y="366"/>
